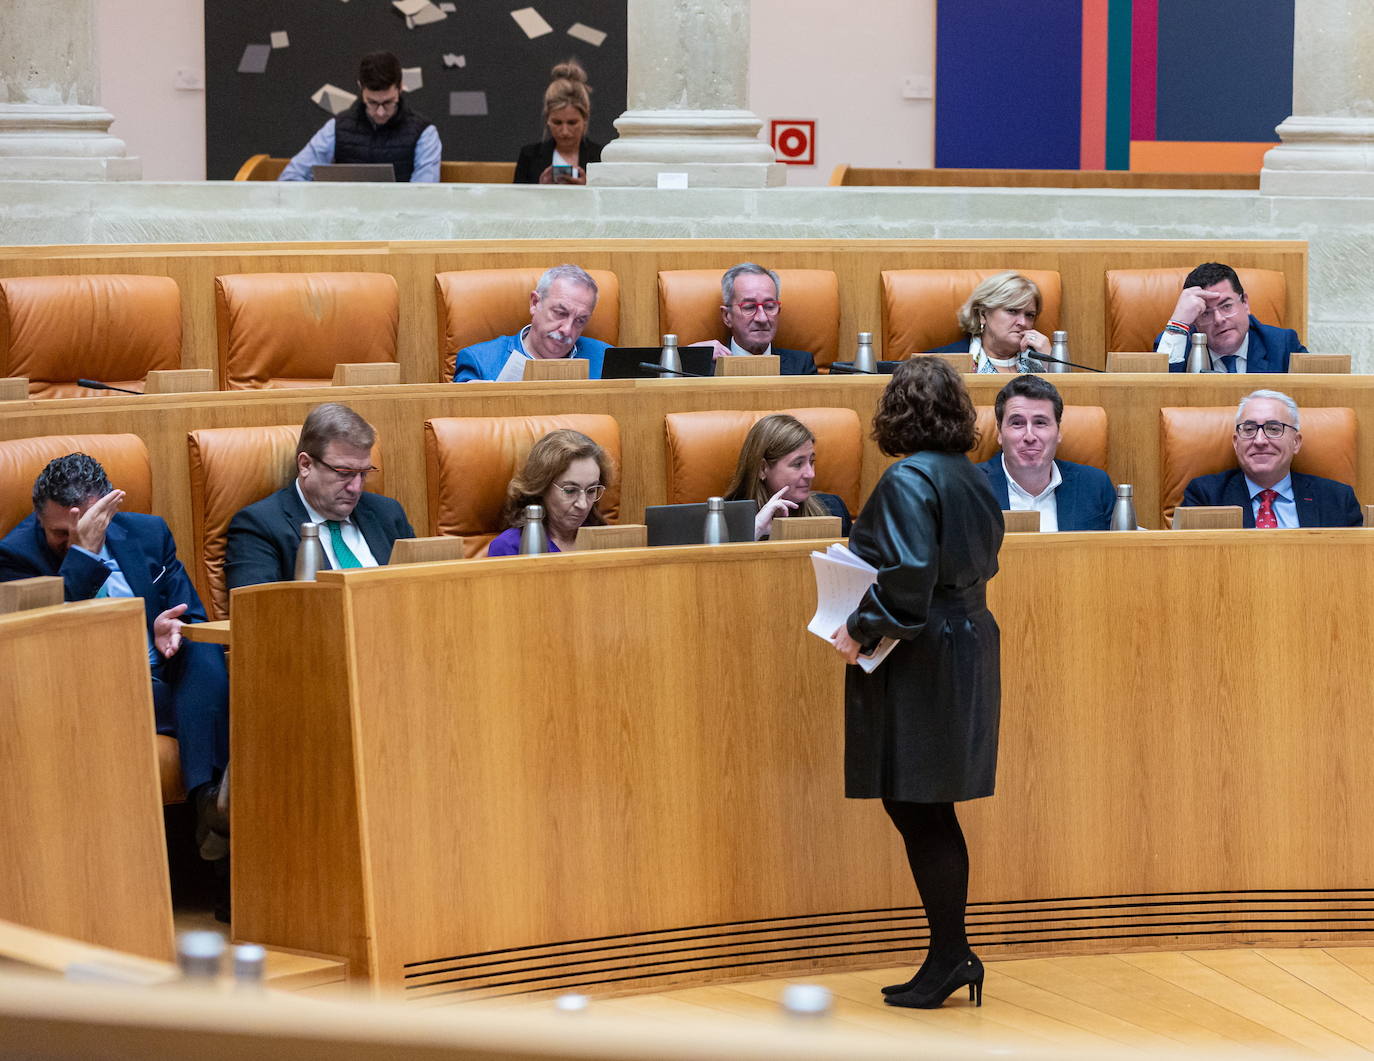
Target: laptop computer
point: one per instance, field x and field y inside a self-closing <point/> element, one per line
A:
<point x="355" y="172"/>
<point x="686" y="524"/>
<point x="622" y="362"/>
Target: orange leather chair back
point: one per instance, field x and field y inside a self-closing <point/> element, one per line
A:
<point x="920" y="306"/>
<point x="110" y="328"/>
<point x="469" y="462"/>
<point x="1139" y="302"/>
<point x="124" y="458"/>
<point x="475" y="305"/>
<point x="1197" y="441"/>
<point x="291" y="329"/>
<point x="1084" y="428"/>
<point x="703" y="449"/>
<point x="231" y="467"/>
<point x="689" y="307"/>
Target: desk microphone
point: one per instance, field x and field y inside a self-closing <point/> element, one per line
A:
<point x="843" y="369"/>
<point x="96" y="385"/>
<point x="671" y="371"/>
<point x="1060" y="361"/>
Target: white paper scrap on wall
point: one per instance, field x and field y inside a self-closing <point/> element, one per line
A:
<point x="467" y="104"/>
<point x="333" y="99"/>
<point x="531" y="21"/>
<point x="280" y="39"/>
<point x="448" y="8"/>
<point x="594" y="37"/>
<point x="412" y="78"/>
<point x="409" y="7"/>
<point x="427" y="14"/>
<point x="452" y="60"/>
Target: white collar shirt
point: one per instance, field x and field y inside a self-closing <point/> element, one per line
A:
<point x="348" y="530"/>
<point x="1044" y="502"/>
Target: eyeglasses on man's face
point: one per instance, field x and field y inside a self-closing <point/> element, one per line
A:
<point x="1224" y="310"/>
<point x="347" y="474"/>
<point x="749" y="308"/>
<point x="1271" y="428"/>
<point x="572" y="492"/>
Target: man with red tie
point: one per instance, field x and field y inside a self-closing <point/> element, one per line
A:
<point x="1269" y="493"/>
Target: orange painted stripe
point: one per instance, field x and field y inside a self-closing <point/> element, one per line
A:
<point x="1092" y="150"/>
<point x="1196" y="156"/>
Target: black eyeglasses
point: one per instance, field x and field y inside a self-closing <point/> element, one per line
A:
<point x="1271" y="428"/>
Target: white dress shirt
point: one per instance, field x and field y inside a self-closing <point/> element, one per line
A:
<point x="1044" y="502"/>
<point x="738" y="351"/>
<point x="352" y="536"/>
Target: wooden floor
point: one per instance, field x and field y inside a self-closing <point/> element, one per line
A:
<point x="1306" y="1002"/>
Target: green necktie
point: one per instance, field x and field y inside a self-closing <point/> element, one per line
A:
<point x="342" y="553"/>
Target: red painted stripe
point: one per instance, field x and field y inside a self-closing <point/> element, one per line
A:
<point x="1092" y="151"/>
<point x="1144" y="68"/>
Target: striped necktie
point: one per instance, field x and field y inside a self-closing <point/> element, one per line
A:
<point x="342" y="553"/>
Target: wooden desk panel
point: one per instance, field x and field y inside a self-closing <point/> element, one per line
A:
<point x="591" y="769"/>
<point x="1132" y="403"/>
<point x="80" y="802"/>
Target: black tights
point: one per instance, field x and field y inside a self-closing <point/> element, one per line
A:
<point x="938" y="857"/>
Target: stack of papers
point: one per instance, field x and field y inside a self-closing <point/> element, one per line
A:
<point x="842" y="579"/>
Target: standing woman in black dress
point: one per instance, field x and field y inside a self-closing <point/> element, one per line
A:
<point x="921" y="730"/>
<point x="562" y="156"/>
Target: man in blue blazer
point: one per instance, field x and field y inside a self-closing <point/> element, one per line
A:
<point x="750" y="306"/>
<point x="77" y="532"/>
<point x="1213" y="302"/>
<point x="561" y="304"/>
<point x="1269" y="494"/>
<point x="1068" y="496"/>
<point x="357" y="529"/>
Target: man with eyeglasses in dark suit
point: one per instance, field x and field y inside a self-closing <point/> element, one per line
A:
<point x="750" y="305"/>
<point x="1268" y="492"/>
<point x="357" y="529"/>
<point x="1214" y="303"/>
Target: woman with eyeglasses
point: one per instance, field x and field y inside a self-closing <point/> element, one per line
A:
<point x="921" y="729"/>
<point x="777" y="465"/>
<point x="999" y="324"/>
<point x="565" y="472"/>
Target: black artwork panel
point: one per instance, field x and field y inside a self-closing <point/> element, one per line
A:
<point x="272" y="113"/>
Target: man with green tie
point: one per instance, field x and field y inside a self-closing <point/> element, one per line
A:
<point x="357" y="529"/>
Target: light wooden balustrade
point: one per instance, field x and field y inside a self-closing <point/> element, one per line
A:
<point x="616" y="804"/>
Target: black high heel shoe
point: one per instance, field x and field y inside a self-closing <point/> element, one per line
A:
<point x="968" y="972"/>
<point x="897" y="989"/>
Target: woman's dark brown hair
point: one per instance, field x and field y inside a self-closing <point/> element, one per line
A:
<point x="925" y="406"/>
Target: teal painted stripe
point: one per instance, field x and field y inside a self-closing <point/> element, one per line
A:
<point x="1119" y="84"/>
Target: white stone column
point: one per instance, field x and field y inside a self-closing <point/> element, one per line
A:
<point x="1328" y="141"/>
<point x="51" y="126"/>
<point x="688" y="100"/>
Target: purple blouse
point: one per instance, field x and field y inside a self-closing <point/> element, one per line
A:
<point x="507" y="543"/>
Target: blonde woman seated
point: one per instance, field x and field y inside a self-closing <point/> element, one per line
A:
<point x="777" y="464"/>
<point x="567" y="473"/>
<point x="999" y="322"/>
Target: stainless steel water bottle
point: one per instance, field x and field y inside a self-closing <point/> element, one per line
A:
<point x="309" y="554"/>
<point x="668" y="356"/>
<point x="1199" y="360"/>
<point x="1059" y="350"/>
<point x="1123" y="511"/>
<point x="864" y="361"/>
<point x="716" y="533"/>
<point x="533" y="539"/>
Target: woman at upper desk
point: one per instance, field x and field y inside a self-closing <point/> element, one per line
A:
<point x="562" y="156"/>
<point x="777" y="464"/>
<point x="999" y="326"/>
<point x="567" y="473"/>
<point x="921" y="730"/>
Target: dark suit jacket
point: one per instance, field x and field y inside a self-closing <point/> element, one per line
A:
<point x="1083" y="500"/>
<point x="263" y="537"/>
<point x="1268" y="352"/>
<point x="1321" y="502"/>
<point x="190" y="690"/>
<point x="791" y="362"/>
<point x="536" y="158"/>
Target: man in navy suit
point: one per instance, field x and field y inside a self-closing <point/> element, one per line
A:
<point x="1269" y="494"/>
<point x="749" y="307"/>
<point x="561" y="304"/>
<point x="357" y="529"/>
<point x="1068" y="496"/>
<point x="77" y="532"/>
<point x="1213" y="302"/>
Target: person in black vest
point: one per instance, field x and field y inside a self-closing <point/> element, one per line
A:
<point x="379" y="127"/>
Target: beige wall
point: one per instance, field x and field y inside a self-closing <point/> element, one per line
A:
<point x="140" y="45"/>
